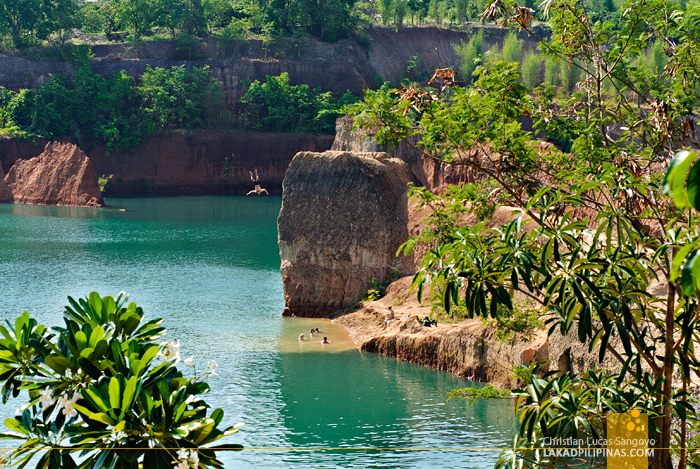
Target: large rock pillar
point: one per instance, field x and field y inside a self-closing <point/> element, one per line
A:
<point x="344" y="216"/>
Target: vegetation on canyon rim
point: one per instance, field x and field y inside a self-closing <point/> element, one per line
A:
<point x="600" y="239"/>
<point x="30" y="22"/>
<point x="104" y="387"/>
<point x="123" y="112"/>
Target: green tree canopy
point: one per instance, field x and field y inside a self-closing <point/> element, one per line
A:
<point x="600" y="241"/>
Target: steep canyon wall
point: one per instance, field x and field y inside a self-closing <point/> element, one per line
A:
<point x="345" y="65"/>
<point x="188" y="163"/>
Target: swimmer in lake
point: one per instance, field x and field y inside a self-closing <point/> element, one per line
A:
<point x="256" y="181"/>
<point x="325" y="341"/>
<point x="301" y="337"/>
<point x="312" y="332"/>
<point x="317" y="331"/>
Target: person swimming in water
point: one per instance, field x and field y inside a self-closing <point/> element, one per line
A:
<point x="312" y="332"/>
<point x="256" y="181"/>
<point x="325" y="341"/>
<point x="301" y="337"/>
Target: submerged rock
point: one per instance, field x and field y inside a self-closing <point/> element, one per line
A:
<point x="61" y="175"/>
<point x="344" y="216"/>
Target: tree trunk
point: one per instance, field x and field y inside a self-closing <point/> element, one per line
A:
<point x="664" y="457"/>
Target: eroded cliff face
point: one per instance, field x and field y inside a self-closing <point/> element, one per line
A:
<point x="341" y="66"/>
<point x="343" y="217"/>
<point x="205" y="162"/>
<point x="61" y="175"/>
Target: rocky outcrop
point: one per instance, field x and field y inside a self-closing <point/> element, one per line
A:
<point x="467" y="348"/>
<point x="61" y="175"/>
<point x="430" y="173"/>
<point x="343" y="217"/>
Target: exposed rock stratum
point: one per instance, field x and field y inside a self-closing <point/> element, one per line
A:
<point x="344" y="215"/>
<point x="61" y="175"/>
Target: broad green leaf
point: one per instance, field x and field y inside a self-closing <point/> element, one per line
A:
<point x="129" y="392"/>
<point x="678" y="260"/>
<point x="674" y="182"/>
<point x="694" y="186"/>
<point x="688" y="282"/>
<point x="109" y="306"/>
<point x="80" y="340"/>
<point x="99" y="416"/>
<point x="97" y="334"/>
<point x="100" y="349"/>
<point x="16" y="425"/>
<point x="114" y="393"/>
<point x="96" y="304"/>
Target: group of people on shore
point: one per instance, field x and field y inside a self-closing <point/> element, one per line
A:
<point x="426" y="321"/>
<point x="390" y="316"/>
<point x="314" y="332"/>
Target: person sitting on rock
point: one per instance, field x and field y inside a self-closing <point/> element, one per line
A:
<point x="325" y="341"/>
<point x="389" y="317"/>
<point x="256" y="181"/>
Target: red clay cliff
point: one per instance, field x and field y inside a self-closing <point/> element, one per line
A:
<point x="61" y="175"/>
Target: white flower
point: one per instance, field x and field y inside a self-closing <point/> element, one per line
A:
<point x="213" y="364"/>
<point x="69" y="411"/>
<point x="182" y="465"/>
<point x="183" y="454"/>
<point x="189" y="361"/>
<point x="46" y="398"/>
<point x="171" y="351"/>
<point x="194" y="457"/>
<point x="63" y="401"/>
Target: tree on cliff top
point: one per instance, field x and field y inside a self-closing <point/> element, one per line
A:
<point x="593" y="232"/>
<point x="30" y="20"/>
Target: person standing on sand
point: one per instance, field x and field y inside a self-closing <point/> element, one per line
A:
<point x="256" y="181"/>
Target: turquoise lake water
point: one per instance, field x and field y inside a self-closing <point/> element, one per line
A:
<point x="210" y="267"/>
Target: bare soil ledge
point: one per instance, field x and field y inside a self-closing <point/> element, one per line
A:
<point x="466" y="348"/>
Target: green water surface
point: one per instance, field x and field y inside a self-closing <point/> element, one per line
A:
<point x="210" y="267"/>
